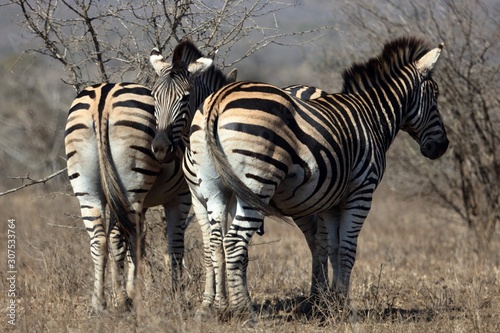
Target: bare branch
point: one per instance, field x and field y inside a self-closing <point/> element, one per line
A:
<point x="32" y="181"/>
<point x="65" y="226"/>
<point x="110" y="41"/>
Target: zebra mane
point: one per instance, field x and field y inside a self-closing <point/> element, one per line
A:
<point x="395" y="55"/>
<point x="185" y="53"/>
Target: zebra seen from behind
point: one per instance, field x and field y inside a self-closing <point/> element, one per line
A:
<point x="307" y="159"/>
<point x="108" y="138"/>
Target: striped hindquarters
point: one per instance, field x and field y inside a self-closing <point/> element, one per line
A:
<point x="108" y="137"/>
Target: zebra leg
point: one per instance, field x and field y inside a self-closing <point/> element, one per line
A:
<point x="176" y="214"/>
<point x="350" y="227"/>
<point x="343" y="231"/>
<point x="246" y="222"/>
<point x="83" y="172"/>
<point x="209" y="294"/>
<point x="321" y="254"/>
<point x="133" y="259"/>
<point x="314" y="230"/>
<point x="118" y="249"/>
<point x="217" y="221"/>
<point x="93" y="216"/>
<point x="332" y="222"/>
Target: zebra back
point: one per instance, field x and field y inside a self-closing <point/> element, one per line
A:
<point x="305" y="92"/>
<point x="374" y="106"/>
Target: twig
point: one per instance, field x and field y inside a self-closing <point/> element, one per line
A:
<point x="33" y="181"/>
<point x="266" y="243"/>
<point x="65" y="226"/>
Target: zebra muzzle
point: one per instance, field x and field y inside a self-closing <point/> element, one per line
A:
<point x="434" y="149"/>
<point x="162" y="147"/>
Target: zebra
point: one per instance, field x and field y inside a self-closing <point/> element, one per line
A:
<point x="108" y="138"/>
<point x="312" y="160"/>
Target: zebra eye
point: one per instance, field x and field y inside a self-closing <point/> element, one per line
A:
<point x="185" y="97"/>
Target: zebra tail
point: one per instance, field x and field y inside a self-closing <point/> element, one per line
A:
<point x="114" y="191"/>
<point x="225" y="171"/>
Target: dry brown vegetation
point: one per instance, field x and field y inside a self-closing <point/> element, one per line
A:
<point x="417" y="270"/>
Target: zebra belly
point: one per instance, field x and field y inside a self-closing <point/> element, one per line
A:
<point x="302" y="194"/>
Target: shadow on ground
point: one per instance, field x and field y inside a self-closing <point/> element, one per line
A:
<point x="299" y="308"/>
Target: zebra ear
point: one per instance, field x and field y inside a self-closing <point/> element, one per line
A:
<point x="157" y="61"/>
<point x="200" y="65"/>
<point x="426" y="63"/>
<point x="231" y="77"/>
<point x="212" y="55"/>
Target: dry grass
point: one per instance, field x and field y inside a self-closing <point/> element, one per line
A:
<point x="417" y="271"/>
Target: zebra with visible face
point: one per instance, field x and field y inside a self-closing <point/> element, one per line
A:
<point x="320" y="158"/>
<point x="109" y="134"/>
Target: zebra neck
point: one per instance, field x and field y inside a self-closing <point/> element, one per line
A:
<point x="391" y="103"/>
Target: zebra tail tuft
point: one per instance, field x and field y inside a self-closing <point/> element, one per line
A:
<point x="225" y="171"/>
<point x="114" y="191"/>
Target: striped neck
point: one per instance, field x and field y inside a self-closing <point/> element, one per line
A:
<point x="388" y="83"/>
<point x="393" y="100"/>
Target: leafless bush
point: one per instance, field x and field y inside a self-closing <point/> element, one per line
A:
<point x="108" y="41"/>
<point x="467" y="181"/>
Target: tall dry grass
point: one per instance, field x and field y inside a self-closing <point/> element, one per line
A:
<point x="417" y="271"/>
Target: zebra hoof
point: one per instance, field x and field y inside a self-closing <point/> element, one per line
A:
<point x="305" y="308"/>
<point x="251" y="320"/>
<point x="125" y="305"/>
<point x="245" y="314"/>
<point x="203" y="313"/>
<point x="98" y="307"/>
<point x="251" y="323"/>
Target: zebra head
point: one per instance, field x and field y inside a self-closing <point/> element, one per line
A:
<point x="174" y="93"/>
<point x="424" y="123"/>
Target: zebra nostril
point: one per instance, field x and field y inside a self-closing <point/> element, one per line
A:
<point x="427" y="149"/>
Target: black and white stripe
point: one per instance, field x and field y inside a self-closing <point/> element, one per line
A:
<point x="308" y="159"/>
<point x="181" y="86"/>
